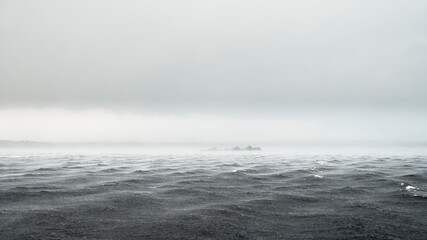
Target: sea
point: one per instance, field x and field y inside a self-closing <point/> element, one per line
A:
<point x="191" y="193"/>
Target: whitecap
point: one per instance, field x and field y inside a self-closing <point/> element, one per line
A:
<point x="318" y="176"/>
<point x="322" y="162"/>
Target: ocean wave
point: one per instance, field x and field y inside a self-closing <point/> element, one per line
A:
<point x="217" y="196"/>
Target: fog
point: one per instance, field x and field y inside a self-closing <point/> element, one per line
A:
<point x="213" y="71"/>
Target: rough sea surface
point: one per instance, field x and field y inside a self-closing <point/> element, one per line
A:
<point x="212" y="195"/>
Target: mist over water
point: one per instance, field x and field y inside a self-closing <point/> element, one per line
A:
<point x="118" y="119"/>
<point x="190" y="193"/>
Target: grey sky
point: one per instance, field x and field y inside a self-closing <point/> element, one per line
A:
<point x="178" y="53"/>
<point x="163" y="57"/>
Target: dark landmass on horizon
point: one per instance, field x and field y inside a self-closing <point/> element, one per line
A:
<point x="209" y="145"/>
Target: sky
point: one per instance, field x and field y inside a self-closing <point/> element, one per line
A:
<point x="213" y="71"/>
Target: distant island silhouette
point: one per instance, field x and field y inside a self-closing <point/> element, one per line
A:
<point x="237" y="148"/>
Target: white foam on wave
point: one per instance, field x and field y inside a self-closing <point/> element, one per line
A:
<point x="316" y="169"/>
<point x="322" y="162"/>
<point x="318" y="176"/>
<point x="409" y="188"/>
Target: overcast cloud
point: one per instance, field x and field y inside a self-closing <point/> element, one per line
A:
<point x="263" y="59"/>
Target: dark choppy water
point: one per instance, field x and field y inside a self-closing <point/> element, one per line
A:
<point x="212" y="196"/>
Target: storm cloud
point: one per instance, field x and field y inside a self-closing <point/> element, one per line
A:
<point x="190" y="56"/>
<point x="145" y="53"/>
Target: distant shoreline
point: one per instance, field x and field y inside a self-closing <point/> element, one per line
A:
<point x="211" y="146"/>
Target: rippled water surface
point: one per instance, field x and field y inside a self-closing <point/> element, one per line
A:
<point x="210" y="195"/>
